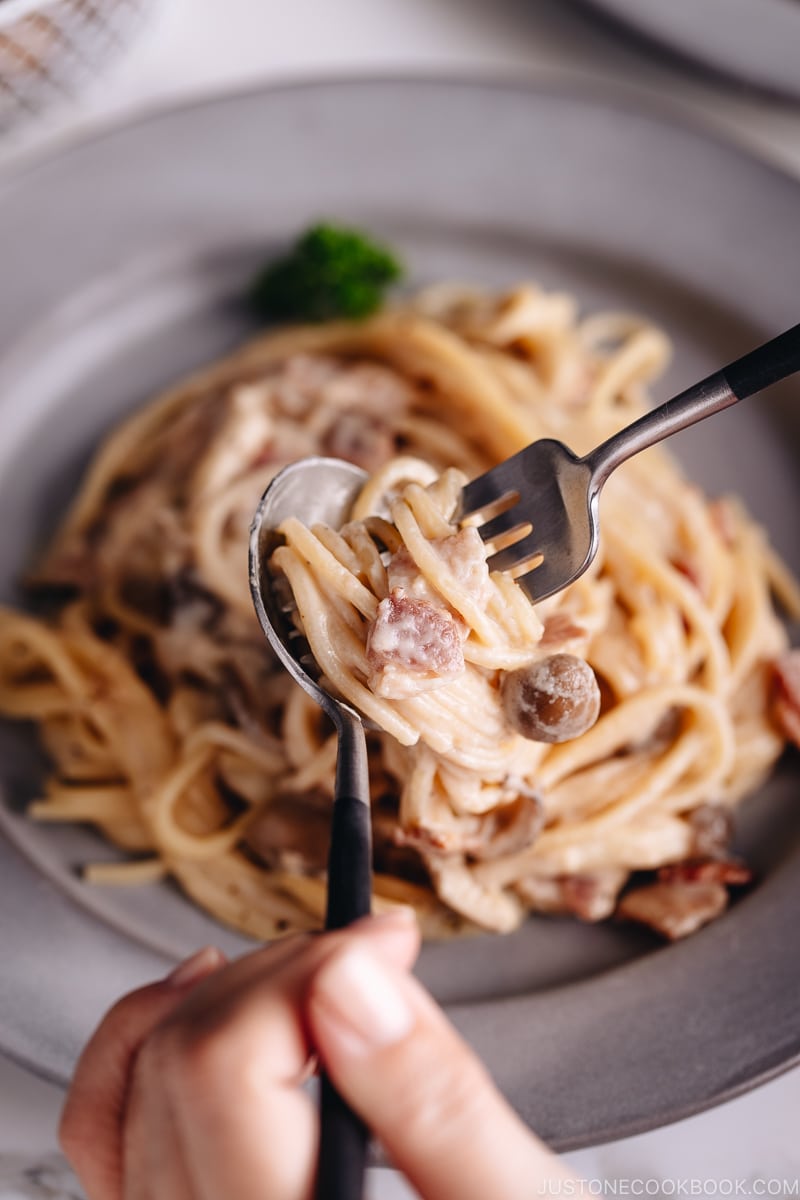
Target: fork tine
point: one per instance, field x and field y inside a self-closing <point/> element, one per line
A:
<point x="506" y="522"/>
<point x="515" y="554"/>
<point x="489" y="488"/>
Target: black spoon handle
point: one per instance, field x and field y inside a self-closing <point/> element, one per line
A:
<point x="343" y="1135"/>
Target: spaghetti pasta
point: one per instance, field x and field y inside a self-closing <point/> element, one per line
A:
<point x="171" y="727"/>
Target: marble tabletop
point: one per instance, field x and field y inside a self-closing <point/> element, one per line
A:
<point x="750" y="1146"/>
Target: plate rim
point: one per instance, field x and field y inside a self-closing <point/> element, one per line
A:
<point x="651" y="34"/>
<point x="620" y="95"/>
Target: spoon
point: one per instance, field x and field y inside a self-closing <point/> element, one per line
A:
<point x="323" y="490"/>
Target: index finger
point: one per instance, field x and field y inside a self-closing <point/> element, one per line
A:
<point x="90" y="1121"/>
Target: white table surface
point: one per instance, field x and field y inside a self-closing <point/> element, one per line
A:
<point x="750" y="1146"/>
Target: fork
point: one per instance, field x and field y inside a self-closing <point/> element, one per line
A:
<point x="539" y="508"/>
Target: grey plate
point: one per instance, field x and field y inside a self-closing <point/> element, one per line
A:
<point x="753" y="41"/>
<point x="127" y="254"/>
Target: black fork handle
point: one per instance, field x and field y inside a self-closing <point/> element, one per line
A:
<point x="343" y="1135"/>
<point x="765" y="365"/>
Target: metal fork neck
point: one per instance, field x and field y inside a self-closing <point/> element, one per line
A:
<point x="702" y="400"/>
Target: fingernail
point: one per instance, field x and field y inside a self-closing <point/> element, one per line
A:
<point x="358" y="993"/>
<point x="194" y="968"/>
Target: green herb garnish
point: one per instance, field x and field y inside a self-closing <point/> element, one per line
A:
<point x="329" y="272"/>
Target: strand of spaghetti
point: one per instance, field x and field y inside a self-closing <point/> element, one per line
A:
<point x="757" y="747"/>
<point x="498" y="658"/>
<point x="750" y="635"/>
<point x="368" y="558"/>
<point x="379" y="487"/>
<point x="644" y="845"/>
<point x="300" y="727"/>
<point x="225" y="573"/>
<point x="45" y="645"/>
<point x="785" y="586"/>
<point x="671" y="583"/>
<point x="441" y="444"/>
<point x="595" y="787"/>
<point x="134" y="873"/>
<point x="317" y="771"/>
<point x="710" y="554"/>
<point x="638" y="716"/>
<point x="418" y="790"/>
<point x="426" y="509"/>
<point x="307" y="546"/>
<point x="213" y="734"/>
<point x="438" y="575"/>
<point x="37" y="701"/>
<point x="118" y="453"/>
<point x="100" y="802"/>
<point x="599" y="828"/>
<point x="384" y="533"/>
<point x="173" y="841"/>
<point x="242" y="895"/>
<point x="642" y="356"/>
<point x="316" y="625"/>
<point x="82" y="755"/>
<point x="457" y="886"/>
<point x="509" y="606"/>
<point x="665" y="774"/>
<point x="339" y="547"/>
<point x="124" y="711"/>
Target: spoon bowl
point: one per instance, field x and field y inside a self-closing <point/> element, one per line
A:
<point x="315" y="490"/>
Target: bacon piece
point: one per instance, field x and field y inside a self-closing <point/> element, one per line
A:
<point x="299" y="382"/>
<point x="674" y="908"/>
<point x="591" y="896"/>
<point x="689" y="571"/>
<point x="785" y="698"/>
<point x="292" y="831"/>
<point x="356" y="438"/>
<point x="411" y="644"/>
<point x="303" y="382"/>
<point x="504" y="830"/>
<point x="730" y="872"/>
<point x="456" y="885"/>
<point x="463" y="553"/>
<point x="507" y="829"/>
<point x="70" y="563"/>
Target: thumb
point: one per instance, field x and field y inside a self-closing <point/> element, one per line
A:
<point x="399" y="1063"/>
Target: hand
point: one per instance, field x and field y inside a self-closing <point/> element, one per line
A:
<point x="190" y="1088"/>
